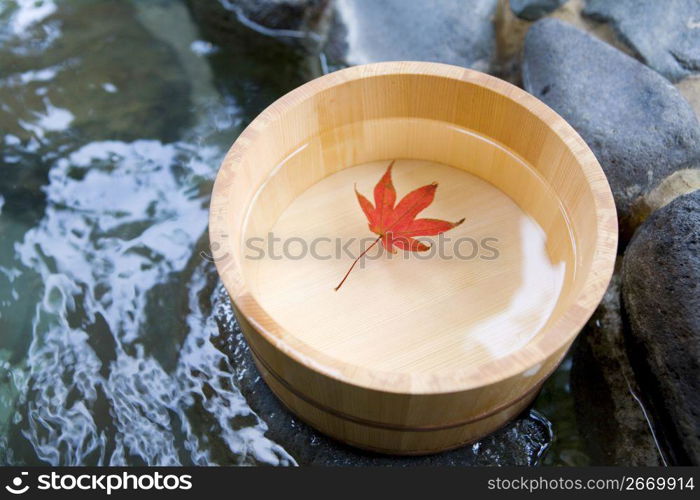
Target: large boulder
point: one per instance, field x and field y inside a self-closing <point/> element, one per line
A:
<point x="661" y="280"/>
<point x="449" y="31"/>
<point x="615" y="429"/>
<point x="522" y="442"/>
<point x="637" y="124"/>
<point x="665" y="35"/>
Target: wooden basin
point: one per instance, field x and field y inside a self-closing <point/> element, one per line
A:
<point x="417" y="352"/>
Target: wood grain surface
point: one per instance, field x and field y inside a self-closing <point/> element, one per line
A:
<point x="411" y="343"/>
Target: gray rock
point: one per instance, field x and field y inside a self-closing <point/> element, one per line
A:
<point x="661" y="277"/>
<point x="280" y="14"/>
<point x="615" y="429"/>
<point x="665" y="34"/>
<point x="296" y="22"/>
<point x="522" y="442"/>
<point x="637" y="124"/>
<point x="257" y="63"/>
<point x="448" y="31"/>
<point x="531" y="10"/>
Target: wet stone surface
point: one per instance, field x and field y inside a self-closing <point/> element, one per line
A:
<point x="450" y="31"/>
<point x="616" y="429"/>
<point x="661" y="276"/>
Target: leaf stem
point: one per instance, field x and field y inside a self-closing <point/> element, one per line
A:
<point x="356" y="261"/>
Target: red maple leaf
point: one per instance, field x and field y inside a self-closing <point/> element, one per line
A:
<point x="397" y="225"/>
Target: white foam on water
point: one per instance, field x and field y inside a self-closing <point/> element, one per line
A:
<point x="30" y="13"/>
<point x="123" y="219"/>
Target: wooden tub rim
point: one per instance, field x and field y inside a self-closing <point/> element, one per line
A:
<point x="547" y="342"/>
